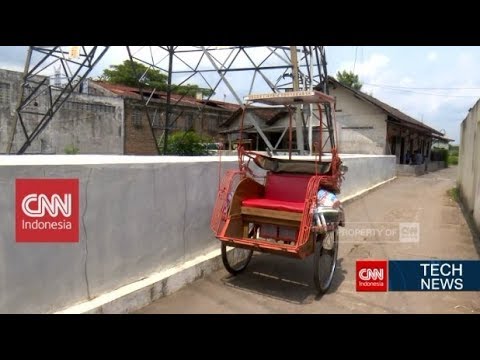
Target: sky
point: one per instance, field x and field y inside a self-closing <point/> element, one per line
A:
<point x="435" y="85"/>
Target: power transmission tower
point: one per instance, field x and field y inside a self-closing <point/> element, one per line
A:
<point x="39" y="99"/>
<point x="235" y="71"/>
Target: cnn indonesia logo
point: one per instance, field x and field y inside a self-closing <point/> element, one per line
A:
<point x="372" y="275"/>
<point x="46" y="210"/>
<point x="53" y="205"/>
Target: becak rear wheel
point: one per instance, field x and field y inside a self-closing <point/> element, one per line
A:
<point x="325" y="260"/>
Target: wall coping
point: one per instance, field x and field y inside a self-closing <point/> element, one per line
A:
<point x="38" y="160"/>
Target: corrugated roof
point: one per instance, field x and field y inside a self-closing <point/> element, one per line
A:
<point x="393" y="112"/>
<point x="443" y="138"/>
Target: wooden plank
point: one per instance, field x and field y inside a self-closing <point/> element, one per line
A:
<point x="234" y="227"/>
<point x="276" y="214"/>
<point x="245" y="229"/>
<point x="267" y="216"/>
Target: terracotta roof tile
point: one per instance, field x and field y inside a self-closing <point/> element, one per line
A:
<point x="161" y="96"/>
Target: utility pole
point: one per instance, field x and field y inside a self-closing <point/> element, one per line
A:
<point x="296" y="87"/>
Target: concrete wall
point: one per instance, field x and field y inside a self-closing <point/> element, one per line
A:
<point x="138" y="215"/>
<point x="135" y="218"/>
<point x="365" y="171"/>
<point x="410" y="170"/>
<point x="92" y="124"/>
<point x="361" y="127"/>
<point x="418" y="170"/>
<point x="469" y="163"/>
<point x="435" y="165"/>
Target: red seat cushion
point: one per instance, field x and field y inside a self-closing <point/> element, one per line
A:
<point x="283" y="191"/>
<point x="275" y="204"/>
<point x="286" y="187"/>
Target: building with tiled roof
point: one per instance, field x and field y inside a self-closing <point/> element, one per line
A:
<point x="186" y="113"/>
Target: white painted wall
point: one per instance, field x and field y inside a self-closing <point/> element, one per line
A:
<point x="469" y="162"/>
<point x="353" y="112"/>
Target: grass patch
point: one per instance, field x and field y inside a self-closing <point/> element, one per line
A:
<point x="454" y="194"/>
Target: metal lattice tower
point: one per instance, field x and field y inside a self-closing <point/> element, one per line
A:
<point x="41" y="98"/>
<point x="232" y="72"/>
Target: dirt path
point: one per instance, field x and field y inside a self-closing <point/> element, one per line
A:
<point x="273" y="284"/>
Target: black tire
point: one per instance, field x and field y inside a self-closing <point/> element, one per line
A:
<point x="325" y="261"/>
<point x="238" y="253"/>
<point x="242" y="254"/>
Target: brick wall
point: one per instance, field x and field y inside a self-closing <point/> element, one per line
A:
<point x="139" y="139"/>
<point x="138" y="135"/>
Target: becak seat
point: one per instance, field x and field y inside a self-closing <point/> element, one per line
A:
<point x="283" y="192"/>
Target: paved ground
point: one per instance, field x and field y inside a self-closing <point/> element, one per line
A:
<point x="273" y="284"/>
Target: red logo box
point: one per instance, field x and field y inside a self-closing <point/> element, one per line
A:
<point x="46" y="210"/>
<point x="372" y="275"/>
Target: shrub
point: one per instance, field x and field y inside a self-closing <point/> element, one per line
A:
<point x="452" y="155"/>
<point x="438" y="154"/>
<point x="186" y="143"/>
<point x="453" y="149"/>
<point x="71" y="150"/>
<point x="452" y="159"/>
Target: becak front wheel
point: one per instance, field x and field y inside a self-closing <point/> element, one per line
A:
<point x="234" y="259"/>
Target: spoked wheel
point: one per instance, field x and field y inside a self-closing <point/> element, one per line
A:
<point x="234" y="259"/>
<point x="325" y="260"/>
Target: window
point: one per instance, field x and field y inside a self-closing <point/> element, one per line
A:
<point x="136" y="118"/>
<point x="189" y="121"/>
<point x="155" y="117"/>
<point x="213" y="122"/>
<point x="357" y="127"/>
<point x="175" y="118"/>
<point x="90" y="107"/>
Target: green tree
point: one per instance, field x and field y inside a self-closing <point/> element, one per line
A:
<point x="348" y="78"/>
<point x="153" y="78"/>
